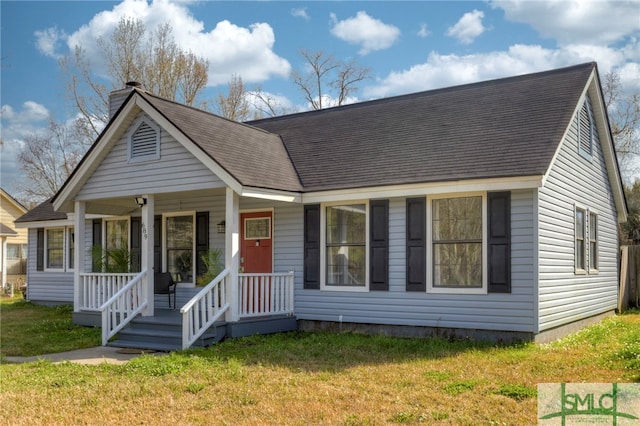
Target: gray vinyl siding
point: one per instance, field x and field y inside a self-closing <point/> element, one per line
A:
<point x="176" y="170"/>
<point x="47" y="287"/>
<point x="509" y="312"/>
<point x="565" y="296"/>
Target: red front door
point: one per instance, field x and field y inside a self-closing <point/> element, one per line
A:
<point x="256" y="235"/>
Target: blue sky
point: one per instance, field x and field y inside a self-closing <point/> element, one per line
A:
<point x="409" y="46"/>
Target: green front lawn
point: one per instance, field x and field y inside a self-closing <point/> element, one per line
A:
<point x="321" y="379"/>
<point x="27" y="329"/>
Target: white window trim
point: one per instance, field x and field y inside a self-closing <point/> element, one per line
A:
<point x="46" y="249"/>
<point x="68" y="244"/>
<point x="323" y="248"/>
<point x="485" y="274"/>
<point x="134" y="128"/>
<point x="191" y="213"/>
<point x="593" y="271"/>
<point x="585" y="251"/>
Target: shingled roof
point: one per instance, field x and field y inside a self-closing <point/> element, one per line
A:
<point x="510" y="127"/>
<point x="6" y="231"/>
<point x="501" y="128"/>
<point x="43" y="211"/>
<point x="251" y="155"/>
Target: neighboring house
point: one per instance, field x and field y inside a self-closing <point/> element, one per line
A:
<point x="484" y="210"/>
<point x="13" y="243"/>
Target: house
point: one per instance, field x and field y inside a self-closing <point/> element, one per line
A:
<point x="13" y="244"/>
<point x="487" y="210"/>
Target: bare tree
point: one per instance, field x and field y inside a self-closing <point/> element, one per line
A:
<point x="132" y="54"/>
<point x="266" y="105"/>
<point x="235" y="105"/>
<point x="328" y="81"/>
<point x="624" y="114"/>
<point x="49" y="158"/>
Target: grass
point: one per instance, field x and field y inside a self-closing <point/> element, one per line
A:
<point x="322" y="379"/>
<point x="27" y="329"/>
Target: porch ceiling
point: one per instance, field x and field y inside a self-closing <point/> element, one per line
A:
<point x="126" y="205"/>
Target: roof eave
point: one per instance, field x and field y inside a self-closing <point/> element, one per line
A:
<point x="421" y="189"/>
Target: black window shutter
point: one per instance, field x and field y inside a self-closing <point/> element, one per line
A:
<point x="499" y="242"/>
<point x="379" y="245"/>
<point x="312" y="246"/>
<point x="416" y="245"/>
<point x="96" y="229"/>
<point x="136" y="247"/>
<point x="40" y="249"/>
<point x="157" y="243"/>
<point x="202" y="241"/>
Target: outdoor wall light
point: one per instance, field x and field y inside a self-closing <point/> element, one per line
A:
<point x="221" y="227"/>
<point x="141" y="201"/>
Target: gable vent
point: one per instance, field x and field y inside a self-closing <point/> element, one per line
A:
<point x="585" y="129"/>
<point x="145" y="142"/>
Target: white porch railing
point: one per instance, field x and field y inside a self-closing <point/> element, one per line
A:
<point x="265" y="294"/>
<point x="123" y="306"/>
<point x="205" y="308"/>
<point x="97" y="288"/>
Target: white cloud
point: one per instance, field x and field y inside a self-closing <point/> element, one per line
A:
<point x="450" y="70"/>
<point x="371" y="34"/>
<point x="468" y="28"/>
<point x="576" y="21"/>
<point x="280" y="103"/>
<point x="49" y="41"/>
<point x="14" y="126"/>
<point x="21" y="122"/>
<point x="230" y="49"/>
<point x="300" y="13"/>
<point x="423" y="31"/>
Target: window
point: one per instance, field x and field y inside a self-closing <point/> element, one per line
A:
<point x="179" y="243"/>
<point x="346" y="245"/>
<point x="593" y="242"/>
<point x="116" y="245"/>
<point x="13" y="251"/>
<point x="585" y="130"/>
<point x="54" y="244"/>
<point x="457" y="243"/>
<point x="257" y="229"/>
<point x="580" y="248"/>
<point x="144" y="142"/>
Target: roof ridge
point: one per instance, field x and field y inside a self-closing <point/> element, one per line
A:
<point x="429" y="92"/>
<point x="200" y="110"/>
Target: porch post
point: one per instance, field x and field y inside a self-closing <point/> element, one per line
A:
<point x="232" y="251"/>
<point x="3" y="262"/>
<point x="79" y="230"/>
<point x="146" y="252"/>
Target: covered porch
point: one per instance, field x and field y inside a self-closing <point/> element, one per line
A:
<point x="240" y="302"/>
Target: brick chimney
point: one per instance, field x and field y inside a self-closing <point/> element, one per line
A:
<point x="117" y="97"/>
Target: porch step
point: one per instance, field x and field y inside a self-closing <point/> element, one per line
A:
<point x="163" y="332"/>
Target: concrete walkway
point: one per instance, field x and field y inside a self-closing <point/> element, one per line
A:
<point x="92" y="356"/>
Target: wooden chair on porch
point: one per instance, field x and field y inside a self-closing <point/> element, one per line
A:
<point x="163" y="283"/>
